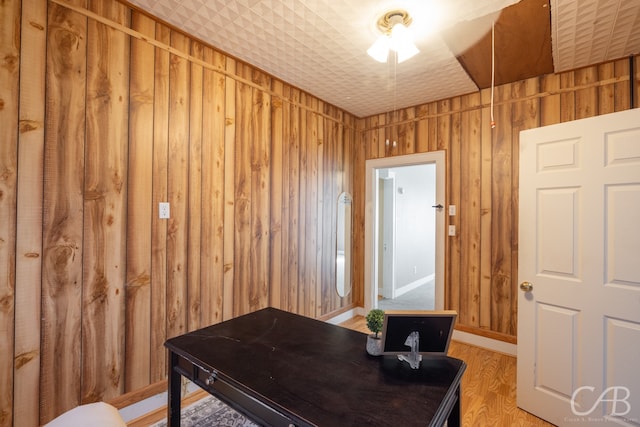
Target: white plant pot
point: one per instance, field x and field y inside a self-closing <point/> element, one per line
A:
<point x="374" y="345"/>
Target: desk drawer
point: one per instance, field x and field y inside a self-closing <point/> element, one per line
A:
<point x="221" y="388"/>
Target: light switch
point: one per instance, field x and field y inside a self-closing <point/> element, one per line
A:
<point x="452" y="230"/>
<point x="452" y="210"/>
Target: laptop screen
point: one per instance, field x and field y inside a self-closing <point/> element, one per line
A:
<point x="434" y="330"/>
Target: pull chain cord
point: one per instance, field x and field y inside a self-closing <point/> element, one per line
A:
<point x="493" y="70"/>
<point x="395" y="92"/>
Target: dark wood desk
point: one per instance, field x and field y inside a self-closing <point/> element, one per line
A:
<point x="283" y="369"/>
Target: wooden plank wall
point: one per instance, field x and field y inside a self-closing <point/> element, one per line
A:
<point x="482" y="176"/>
<point x="104" y="113"/>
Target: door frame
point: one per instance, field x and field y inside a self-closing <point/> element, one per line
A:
<point x="387" y="243"/>
<point x="371" y="238"/>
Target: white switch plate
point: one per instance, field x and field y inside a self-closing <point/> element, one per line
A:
<point x="163" y="210"/>
<point x="452" y="210"/>
<point x="452" y="230"/>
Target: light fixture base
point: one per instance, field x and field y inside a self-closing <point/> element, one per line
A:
<point x="388" y="20"/>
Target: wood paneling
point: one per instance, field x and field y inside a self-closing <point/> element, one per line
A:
<point x="105" y="195"/>
<point x="158" y="355"/>
<point x="63" y="213"/>
<point x="482" y="176"/>
<point x="139" y="207"/>
<point x="26" y="385"/>
<point x="138" y="113"/>
<point x="9" y="113"/>
<point x="106" y="112"/>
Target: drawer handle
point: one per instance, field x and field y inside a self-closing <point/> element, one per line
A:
<point x="210" y="379"/>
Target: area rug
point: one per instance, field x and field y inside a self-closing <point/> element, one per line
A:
<point x="210" y="411"/>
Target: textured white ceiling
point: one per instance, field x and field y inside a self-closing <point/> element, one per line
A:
<point x="320" y="46"/>
<point x="586" y="32"/>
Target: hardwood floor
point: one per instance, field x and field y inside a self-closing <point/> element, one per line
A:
<point x="488" y="385"/>
<point x="488" y="388"/>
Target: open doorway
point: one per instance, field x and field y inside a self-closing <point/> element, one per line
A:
<point x="404" y="232"/>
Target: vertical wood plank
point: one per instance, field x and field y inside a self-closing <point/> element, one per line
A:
<point x="302" y="291"/>
<point x="470" y="153"/>
<point x="502" y="214"/>
<point x="606" y="93"/>
<point x="277" y="201"/>
<point x="311" y="227"/>
<point x="105" y="205"/>
<point x="195" y="208"/>
<point x="347" y="134"/>
<point x="550" y="105"/>
<point x="358" y="206"/>
<point x="443" y="133"/>
<point x="392" y="134"/>
<point x="259" y="160"/>
<point x="139" y="208"/>
<point x="586" y="99"/>
<point x="382" y="136"/>
<point x="242" y="213"/>
<point x="294" y="200"/>
<point x="422" y="129"/>
<point x="334" y="188"/>
<point x="372" y="136"/>
<point x="567" y="98"/>
<point x="433" y="126"/>
<point x="286" y="207"/>
<point x="9" y="116"/>
<point x="160" y="194"/>
<point x="178" y="188"/>
<point x="63" y="212"/>
<point x="213" y="186"/>
<point x="449" y="139"/>
<point x="622" y="95"/>
<point x="322" y="281"/>
<point x="26" y="384"/>
<point x="636" y="82"/>
<point x="525" y="115"/>
<point x="408" y="131"/>
<point x="229" y="192"/>
<point x="486" y="212"/>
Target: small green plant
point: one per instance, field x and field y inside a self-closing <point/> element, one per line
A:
<point x="375" y="319"/>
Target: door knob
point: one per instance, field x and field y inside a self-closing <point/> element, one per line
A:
<point x="526" y="286"/>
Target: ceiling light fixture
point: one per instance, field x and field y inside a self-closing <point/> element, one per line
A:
<point x="395" y="36"/>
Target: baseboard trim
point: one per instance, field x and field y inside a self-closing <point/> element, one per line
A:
<point x="413" y="285"/>
<point x="154" y="403"/>
<point x="344" y="316"/>
<point x="498" y="346"/>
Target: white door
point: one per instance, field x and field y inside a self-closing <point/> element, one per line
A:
<point x="579" y="251"/>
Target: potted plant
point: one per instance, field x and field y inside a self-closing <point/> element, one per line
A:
<point x="375" y="320"/>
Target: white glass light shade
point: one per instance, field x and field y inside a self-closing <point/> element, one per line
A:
<point x="399" y="40"/>
<point x="379" y="50"/>
<point x="407" y="51"/>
